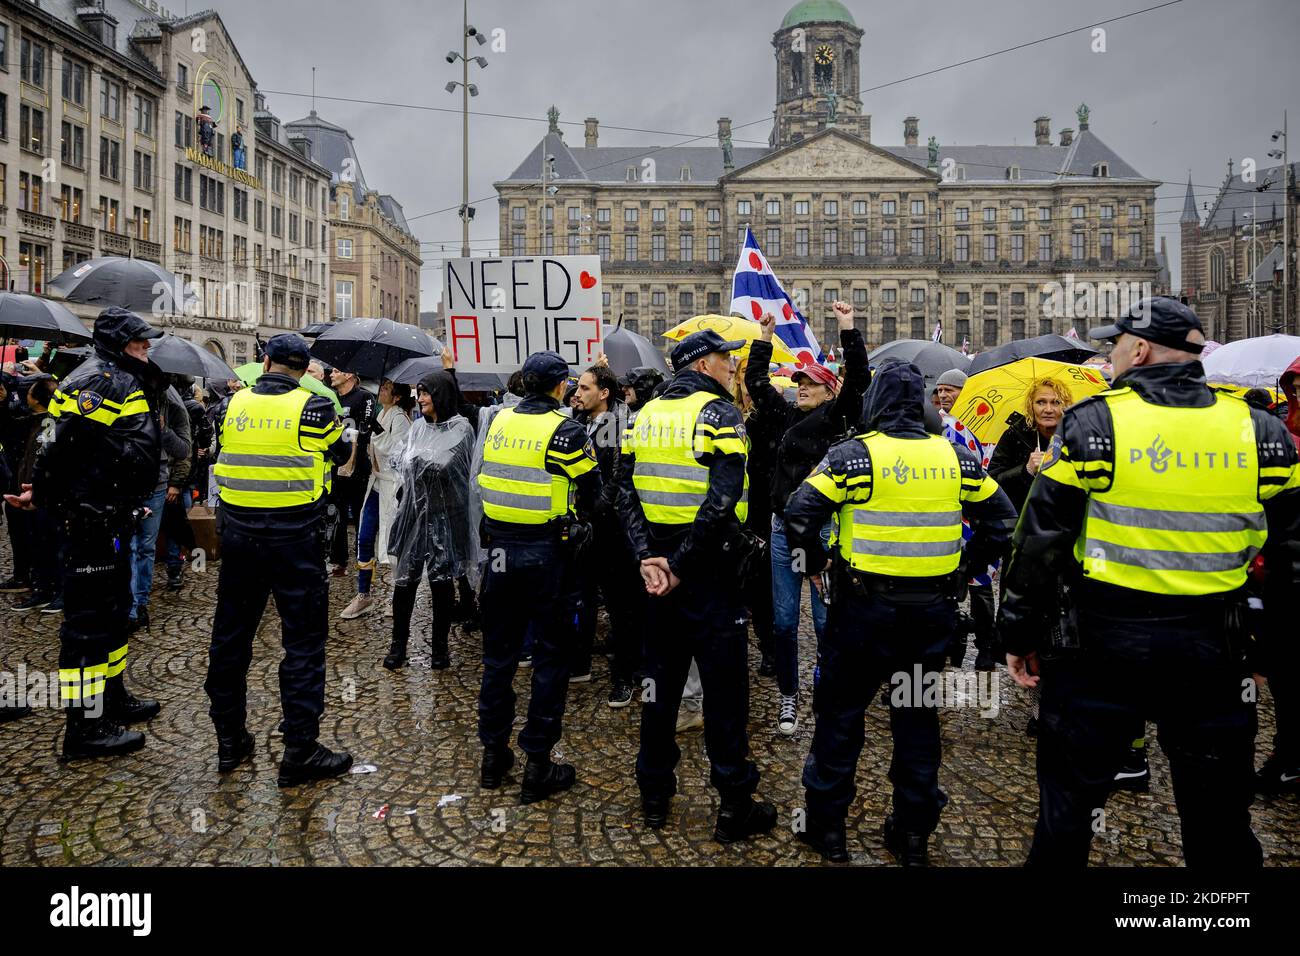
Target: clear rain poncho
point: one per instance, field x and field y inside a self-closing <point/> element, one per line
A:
<point x="432" y="526"/>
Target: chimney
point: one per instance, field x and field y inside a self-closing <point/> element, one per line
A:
<point x="302" y="144"/>
<point x="1043" y="131"/>
<point x="593" y="130"/>
<point x="1067" y="136"/>
<point x="910" y="130"/>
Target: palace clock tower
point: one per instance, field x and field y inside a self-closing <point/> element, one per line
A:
<point x="817" y="73"/>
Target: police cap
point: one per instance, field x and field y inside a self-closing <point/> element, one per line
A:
<point x="699" y="344"/>
<point x="288" y="350"/>
<point x="543" y="371"/>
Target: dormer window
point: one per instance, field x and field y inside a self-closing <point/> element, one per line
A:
<point x="686" y="174"/>
<point x="1013" y="172"/>
<point x="961" y="172"/>
<point x="1101" y="170"/>
<point x="631" y="174"/>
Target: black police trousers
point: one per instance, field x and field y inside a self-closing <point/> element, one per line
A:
<point x="96" y="605"/>
<point x="1177" y="671"/>
<point x="253" y="568"/>
<point x="874" y="639"/>
<point x="527" y="583"/>
<point x="705" y="620"/>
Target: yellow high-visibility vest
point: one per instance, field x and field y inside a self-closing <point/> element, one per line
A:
<point x="911" y="524"/>
<point x="263" y="462"/>
<point x="1182" y="514"/>
<point x="514" y="482"/>
<point x="666" y="437"/>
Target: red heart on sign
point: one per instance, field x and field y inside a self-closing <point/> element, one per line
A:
<point x="586" y="280"/>
<point x="757" y="310"/>
<point x="787" y="311"/>
<point x="755" y="261"/>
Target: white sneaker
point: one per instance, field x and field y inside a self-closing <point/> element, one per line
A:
<point x="360" y="605"/>
<point x="690" y="719"/>
<point x="787" y="722"/>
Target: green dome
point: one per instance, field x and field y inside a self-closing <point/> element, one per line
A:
<point x="817" y="11"/>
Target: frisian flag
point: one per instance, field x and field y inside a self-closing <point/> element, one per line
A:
<point x="938" y="331"/>
<point x="755" y="291"/>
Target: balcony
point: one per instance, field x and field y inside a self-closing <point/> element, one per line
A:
<point x="35" y="224"/>
<point x="114" y="243"/>
<point x="295" y="286"/>
<point x="279" y="282"/>
<point x="184" y="260"/>
<point x="262" y="277"/>
<point x="75" y="232"/>
<point x="144" y="249"/>
<point x="313" y="289"/>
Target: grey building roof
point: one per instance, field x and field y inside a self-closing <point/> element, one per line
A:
<point x="609" y="164"/>
<point x="1235" y="197"/>
<point x="331" y="145"/>
<point x="391" y="208"/>
<point x="1267" y="266"/>
<point x="1189" y="205"/>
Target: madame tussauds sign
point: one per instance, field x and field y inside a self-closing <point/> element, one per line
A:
<point x="230" y="172"/>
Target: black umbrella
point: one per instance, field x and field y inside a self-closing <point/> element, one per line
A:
<point x="25" y="316"/>
<point x="1059" y="348"/>
<point x="625" y="350"/>
<point x="315" y="329"/>
<point x="932" y="358"/>
<point x="371" y="347"/>
<point x="178" y="356"/>
<point x="412" y="370"/>
<point x="66" y="360"/>
<point x="135" y="284"/>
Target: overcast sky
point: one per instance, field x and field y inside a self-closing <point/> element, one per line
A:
<point x="1180" y="88"/>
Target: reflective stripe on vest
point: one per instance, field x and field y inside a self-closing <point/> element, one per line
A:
<point x="1182" y="515"/>
<point x="670" y="483"/>
<point x="514" y="483"/>
<point x="262" y="464"/>
<point x="911" y="525"/>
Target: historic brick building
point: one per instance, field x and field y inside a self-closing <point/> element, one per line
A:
<point x="1232" y="261"/>
<point x="911" y="234"/>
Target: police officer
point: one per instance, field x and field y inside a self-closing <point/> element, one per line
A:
<point x="96" y="469"/>
<point x="1151" y="503"/>
<point x="639" y="385"/>
<point x="900" y="494"/>
<point x="684" y="499"/>
<point x="539" y="468"/>
<point x="277" y="443"/>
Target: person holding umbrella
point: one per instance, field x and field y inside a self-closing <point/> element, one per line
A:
<point x="99" y="468"/>
<point x="350" y="479"/>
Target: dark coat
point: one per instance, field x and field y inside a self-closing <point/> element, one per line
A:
<point x="1007" y="466"/>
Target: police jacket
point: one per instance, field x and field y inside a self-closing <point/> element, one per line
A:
<point x="317" y="414"/>
<point x="805" y="435"/>
<point x="106" y="447"/>
<point x="894" y="406"/>
<point x="700" y="548"/>
<point x="1044" y="547"/>
<point x="569" y="439"/>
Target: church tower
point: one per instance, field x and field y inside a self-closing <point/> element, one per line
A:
<point x="817" y="73"/>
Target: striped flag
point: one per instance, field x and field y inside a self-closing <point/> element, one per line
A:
<point x="938" y="331"/>
<point x="756" y="291"/>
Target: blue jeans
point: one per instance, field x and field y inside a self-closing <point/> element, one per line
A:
<point x="787" y="590"/>
<point x="174" y="562"/>
<point x="367" y="537"/>
<point x="143" y="545"/>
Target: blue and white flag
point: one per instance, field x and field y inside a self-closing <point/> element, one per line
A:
<point x="755" y="291"/>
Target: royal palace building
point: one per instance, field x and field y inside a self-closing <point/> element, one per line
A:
<point x="974" y="237"/>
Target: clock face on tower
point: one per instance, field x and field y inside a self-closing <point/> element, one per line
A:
<point x="824" y="55"/>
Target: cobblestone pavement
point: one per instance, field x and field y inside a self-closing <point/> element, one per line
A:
<point x="167" y="804"/>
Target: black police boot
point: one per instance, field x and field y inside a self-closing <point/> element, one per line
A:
<point x="1135" y="775"/>
<point x="233" y="749"/>
<point x="141" y="621"/>
<point x="439" y="659"/>
<point x="543" y="778"/>
<point x="496" y="764"/>
<point x="314" y="762"/>
<point x="742" y="819"/>
<point x="985" y="660"/>
<point x="910" y="849"/>
<point x="396" y="655"/>
<point x="767" y="665"/>
<point x="97" y="737"/>
<point x="10" y="712"/>
<point x="1276" y="776"/>
<point x="123" y="707"/>
<point x="654" y="810"/>
<point x="827" y="837"/>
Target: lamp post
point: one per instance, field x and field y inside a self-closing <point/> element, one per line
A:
<point x="1280" y="135"/>
<point x="548" y="173"/>
<point x="468" y="89"/>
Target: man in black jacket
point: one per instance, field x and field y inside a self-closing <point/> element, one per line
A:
<point x="824" y="413"/>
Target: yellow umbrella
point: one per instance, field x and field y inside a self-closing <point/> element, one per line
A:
<point x="780" y="381"/>
<point x="1241" y="390"/>
<point x="988" y="398"/>
<point x="731" y="327"/>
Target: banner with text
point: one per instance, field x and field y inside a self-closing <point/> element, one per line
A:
<point x="500" y="311"/>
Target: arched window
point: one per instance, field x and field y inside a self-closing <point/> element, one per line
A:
<point x="1218" y="275"/>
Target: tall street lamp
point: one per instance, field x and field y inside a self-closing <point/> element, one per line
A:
<point x="468" y="89"/>
<point x="1280" y="135"/>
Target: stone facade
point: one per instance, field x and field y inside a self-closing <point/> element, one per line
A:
<point x="975" y="237"/>
<point x="111" y="138"/>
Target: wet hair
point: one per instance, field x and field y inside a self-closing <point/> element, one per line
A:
<point x="402" y="397"/>
<point x="515" y="384"/>
<point x="1056" y="385"/>
<point x="1258" y="398"/>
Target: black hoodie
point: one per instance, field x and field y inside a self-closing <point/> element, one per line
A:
<point x="894" y="406"/>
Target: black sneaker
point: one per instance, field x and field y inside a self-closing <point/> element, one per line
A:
<point x="1277" y="777"/>
<point x="910" y="849"/>
<point x="54" y="607"/>
<point x="740" y="821"/>
<point x="10" y="712"/>
<point x="304" y="766"/>
<point x="620" y="695"/>
<point x="33" y="603"/>
<point x="1135" y="775"/>
<point x="15" y="586"/>
<point x="767" y="666"/>
<point x="174" y="581"/>
<point x="139" y="622"/>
